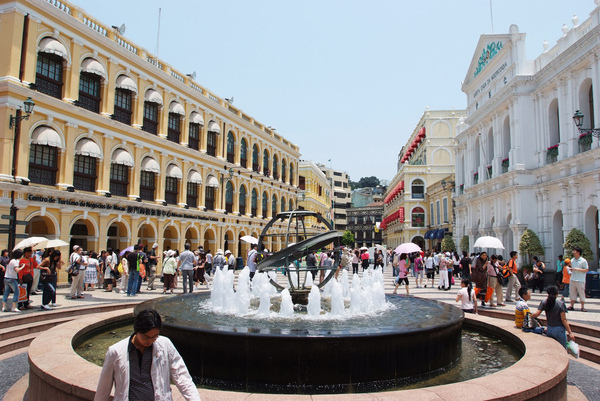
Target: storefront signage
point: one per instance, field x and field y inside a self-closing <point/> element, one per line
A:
<point x="487" y="54"/>
<point x="136" y="210"/>
<point x="491" y="78"/>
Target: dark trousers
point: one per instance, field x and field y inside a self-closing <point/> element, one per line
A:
<point x="537" y="283"/>
<point x="450" y="274"/>
<point x="169" y="281"/>
<point x="354" y="268"/>
<point x="49" y="292"/>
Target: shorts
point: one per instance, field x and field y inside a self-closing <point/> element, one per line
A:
<point x="430" y="273"/>
<point x="400" y="280"/>
<point x="577" y="288"/>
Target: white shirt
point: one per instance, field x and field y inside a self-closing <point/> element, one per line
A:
<point x="10" y="269"/>
<point x="464" y="298"/>
<point x="167" y="365"/>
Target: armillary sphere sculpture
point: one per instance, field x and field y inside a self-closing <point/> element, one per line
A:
<point x="298" y="243"/>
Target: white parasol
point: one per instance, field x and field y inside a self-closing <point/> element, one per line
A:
<point x="31" y="241"/>
<point x="249" y="239"/>
<point x="488" y="242"/>
<point x="52" y="243"/>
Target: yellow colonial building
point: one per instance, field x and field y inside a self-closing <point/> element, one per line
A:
<point x="316" y="195"/>
<point x="426" y="159"/>
<point x="122" y="147"/>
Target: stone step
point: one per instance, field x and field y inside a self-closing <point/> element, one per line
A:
<point x="587" y="341"/>
<point x="20" y="319"/>
<point x="34" y="327"/>
<point x="589" y="353"/>
<point x="16" y="343"/>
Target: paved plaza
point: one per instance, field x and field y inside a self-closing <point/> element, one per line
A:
<point x="583" y="374"/>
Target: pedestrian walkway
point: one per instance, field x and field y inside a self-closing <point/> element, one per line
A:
<point x="582" y="374"/>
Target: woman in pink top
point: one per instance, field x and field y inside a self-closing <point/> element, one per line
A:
<point x="403" y="266"/>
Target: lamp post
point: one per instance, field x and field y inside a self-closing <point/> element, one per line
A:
<point x="578" y="119"/>
<point x="15" y="123"/>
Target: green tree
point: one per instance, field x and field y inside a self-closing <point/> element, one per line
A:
<point x="348" y="238"/>
<point x="464" y="243"/>
<point x="448" y="244"/>
<point x="530" y="244"/>
<point x="371" y="181"/>
<point x="577" y="238"/>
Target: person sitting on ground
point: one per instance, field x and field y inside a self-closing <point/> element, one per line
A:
<point x="522" y="308"/>
<point x="141" y="367"/>
<point x="466" y="295"/>
<point x="556" y="317"/>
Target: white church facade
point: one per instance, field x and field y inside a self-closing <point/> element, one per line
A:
<point x="521" y="161"/>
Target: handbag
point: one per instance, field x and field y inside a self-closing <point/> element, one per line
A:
<point x="73" y="268"/>
<point x="27" y="278"/>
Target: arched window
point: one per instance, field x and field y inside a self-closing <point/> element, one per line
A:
<point x="477" y="160"/>
<point x="229" y="197"/>
<point x="119" y="172"/>
<point x="255" y="159"/>
<point x="274" y="206"/>
<point x="230" y="147"/>
<point x="125" y="88"/>
<point x="266" y="170"/>
<point x="173" y="175"/>
<point x="242" y="200"/>
<point x="49" y="71"/>
<point x="275" y="167"/>
<point x="283" y="168"/>
<point x="211" y="138"/>
<point x="152" y="100"/>
<point x="291" y="205"/>
<point x="554" y="123"/>
<point x="283" y="204"/>
<point x="87" y="153"/>
<point x="292" y="174"/>
<point x="194" y="180"/>
<point x="150" y="168"/>
<point x="418" y="189"/>
<point x="43" y="155"/>
<point x="244" y="153"/>
<point x="254" y="203"/>
<point x="506" y="144"/>
<point x="196" y="124"/>
<point x="265" y="201"/>
<point x="90" y="84"/>
<point x="176" y="111"/>
<point x="418" y="217"/>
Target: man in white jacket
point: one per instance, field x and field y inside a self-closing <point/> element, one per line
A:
<point x="142" y="366"/>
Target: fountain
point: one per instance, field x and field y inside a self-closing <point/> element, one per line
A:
<point x="308" y="338"/>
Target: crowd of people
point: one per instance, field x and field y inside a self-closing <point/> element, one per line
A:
<point x="26" y="272"/>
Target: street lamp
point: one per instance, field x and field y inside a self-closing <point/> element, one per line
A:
<point x="28" y="105"/>
<point x="578" y="119"/>
<point x="15" y="123"/>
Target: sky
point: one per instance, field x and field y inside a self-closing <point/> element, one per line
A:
<point x="345" y="80"/>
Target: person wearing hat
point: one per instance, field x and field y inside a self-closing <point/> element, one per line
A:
<point x="169" y="270"/>
<point x="230" y="260"/>
<point x="219" y="260"/>
<point x="151" y="267"/>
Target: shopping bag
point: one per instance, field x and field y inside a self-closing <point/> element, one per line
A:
<point x="488" y="294"/>
<point x="22" y="292"/>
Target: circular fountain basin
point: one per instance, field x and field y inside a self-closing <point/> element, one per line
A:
<point x="302" y="355"/>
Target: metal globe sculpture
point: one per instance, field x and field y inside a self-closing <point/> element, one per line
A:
<point x="299" y="240"/>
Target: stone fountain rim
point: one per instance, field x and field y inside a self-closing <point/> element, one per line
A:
<point x="454" y="313"/>
<point x="542" y="370"/>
